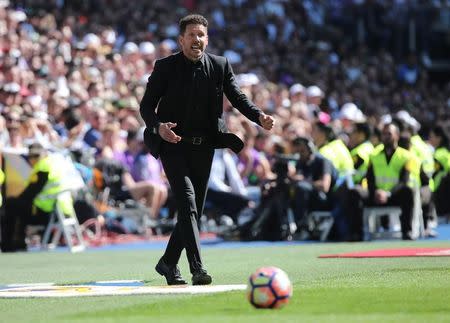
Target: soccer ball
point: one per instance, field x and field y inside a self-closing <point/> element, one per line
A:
<point x="269" y="287"/>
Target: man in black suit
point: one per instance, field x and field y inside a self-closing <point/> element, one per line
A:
<point x="182" y="109"/>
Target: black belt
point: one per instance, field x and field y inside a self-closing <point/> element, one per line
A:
<point x="195" y="140"/>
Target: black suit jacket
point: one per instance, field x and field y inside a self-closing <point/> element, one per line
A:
<point x="167" y="93"/>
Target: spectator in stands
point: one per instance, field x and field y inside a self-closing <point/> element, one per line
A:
<point x="112" y="178"/>
<point x="97" y="122"/>
<point x="144" y="168"/>
<point x="315" y="177"/>
<point x="75" y="126"/>
<point x="111" y="144"/>
<point x="299" y="107"/>
<point x="314" y="98"/>
<point x="253" y="166"/>
<point x="226" y="192"/>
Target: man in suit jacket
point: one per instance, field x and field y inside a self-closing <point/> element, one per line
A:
<point x="182" y="109"/>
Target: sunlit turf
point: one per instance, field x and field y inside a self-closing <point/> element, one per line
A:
<point x="325" y="290"/>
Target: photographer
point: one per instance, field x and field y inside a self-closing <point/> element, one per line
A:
<point x="315" y="177"/>
<point x="272" y="220"/>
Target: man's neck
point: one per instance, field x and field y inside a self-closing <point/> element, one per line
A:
<point x="389" y="150"/>
<point x="193" y="61"/>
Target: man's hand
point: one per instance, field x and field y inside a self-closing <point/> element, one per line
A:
<point x="266" y="121"/>
<point x="381" y="196"/>
<point x="166" y="133"/>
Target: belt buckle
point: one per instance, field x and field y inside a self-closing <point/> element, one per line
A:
<point x="197" y="140"/>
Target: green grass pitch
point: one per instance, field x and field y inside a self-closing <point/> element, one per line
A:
<point x="325" y="290"/>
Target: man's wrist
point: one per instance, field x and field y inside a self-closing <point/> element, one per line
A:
<point x="155" y="129"/>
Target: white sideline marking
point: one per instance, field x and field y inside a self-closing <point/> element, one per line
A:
<point x="49" y="290"/>
<point x="445" y="252"/>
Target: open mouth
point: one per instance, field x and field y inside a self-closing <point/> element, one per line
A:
<point x="196" y="48"/>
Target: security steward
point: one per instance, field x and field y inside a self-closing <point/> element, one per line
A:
<point x="441" y="175"/>
<point x="388" y="177"/>
<point x="361" y="149"/>
<point x="35" y="204"/>
<point x="332" y="148"/>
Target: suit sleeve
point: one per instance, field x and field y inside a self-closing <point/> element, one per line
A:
<point x="237" y="98"/>
<point x="156" y="86"/>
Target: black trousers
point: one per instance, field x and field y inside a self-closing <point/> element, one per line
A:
<point x="187" y="168"/>
<point x="18" y="214"/>
<point x="307" y="198"/>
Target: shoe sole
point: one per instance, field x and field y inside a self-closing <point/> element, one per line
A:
<point x="205" y="281"/>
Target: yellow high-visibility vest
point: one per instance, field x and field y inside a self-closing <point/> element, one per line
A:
<point x="387" y="175"/>
<point x="52" y="187"/>
<point x="362" y="151"/>
<point x="421" y="149"/>
<point x="339" y="155"/>
<point x="441" y="166"/>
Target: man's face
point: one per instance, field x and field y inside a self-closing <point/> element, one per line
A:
<point x="33" y="159"/>
<point x="305" y="153"/>
<point x="354" y="138"/>
<point x="318" y="136"/>
<point x="390" y="135"/>
<point x="434" y="140"/>
<point x="194" y="41"/>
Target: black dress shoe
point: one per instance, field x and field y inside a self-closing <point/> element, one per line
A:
<point x="200" y="276"/>
<point x="171" y="272"/>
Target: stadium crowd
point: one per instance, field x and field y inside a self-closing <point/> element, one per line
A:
<point x="73" y="74"/>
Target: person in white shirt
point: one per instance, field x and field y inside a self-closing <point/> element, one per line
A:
<point x="226" y="193"/>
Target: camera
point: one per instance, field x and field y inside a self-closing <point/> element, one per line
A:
<point x="281" y="165"/>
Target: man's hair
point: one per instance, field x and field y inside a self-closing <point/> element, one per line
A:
<point x="440" y="132"/>
<point x="326" y="130"/>
<point x="401" y="125"/>
<point x="395" y="125"/>
<point x="192" y="20"/>
<point x="364" y="128"/>
<point x="304" y="141"/>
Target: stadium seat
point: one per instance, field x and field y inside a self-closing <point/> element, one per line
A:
<point x="322" y="221"/>
<point x="371" y="222"/>
<point x="67" y="226"/>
